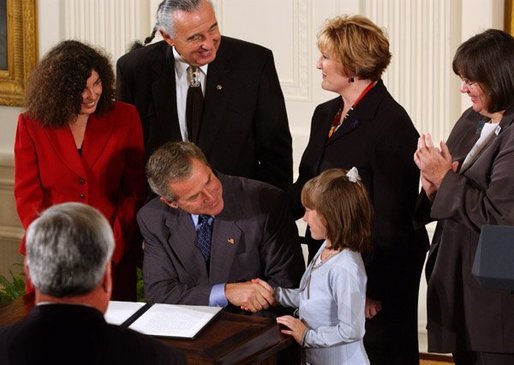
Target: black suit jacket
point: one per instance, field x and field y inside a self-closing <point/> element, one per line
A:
<point x="76" y="334"/>
<point x="379" y="139"/>
<point x="244" y="128"/>
<point x="254" y="236"/>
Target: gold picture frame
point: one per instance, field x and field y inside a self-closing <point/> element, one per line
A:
<point x="19" y="49"/>
<point x="509" y="17"/>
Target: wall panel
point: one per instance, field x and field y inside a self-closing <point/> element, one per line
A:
<point x="112" y="24"/>
<point x="10" y="229"/>
<point x="420" y="75"/>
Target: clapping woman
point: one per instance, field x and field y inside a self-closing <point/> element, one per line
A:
<point x="468" y="182"/>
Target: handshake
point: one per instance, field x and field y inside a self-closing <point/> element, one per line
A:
<point x="255" y="295"/>
<point x="252" y="296"/>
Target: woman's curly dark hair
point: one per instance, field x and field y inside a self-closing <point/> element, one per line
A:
<point x="54" y="90"/>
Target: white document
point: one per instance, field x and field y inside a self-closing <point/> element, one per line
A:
<point x="174" y="320"/>
<point x="118" y="312"/>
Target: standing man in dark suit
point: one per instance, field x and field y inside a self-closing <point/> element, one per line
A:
<point x="69" y="251"/>
<point x="252" y="234"/>
<point x="244" y="129"/>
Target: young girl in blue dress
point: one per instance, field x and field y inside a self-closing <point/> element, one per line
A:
<point x="332" y="293"/>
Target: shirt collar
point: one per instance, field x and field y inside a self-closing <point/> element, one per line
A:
<point x="181" y="65"/>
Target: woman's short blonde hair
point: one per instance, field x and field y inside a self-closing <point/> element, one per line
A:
<point x="361" y="46"/>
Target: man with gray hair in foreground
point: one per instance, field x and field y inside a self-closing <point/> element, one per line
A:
<point x="69" y="249"/>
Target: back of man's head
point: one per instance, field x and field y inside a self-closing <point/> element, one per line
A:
<point x="68" y="248"/>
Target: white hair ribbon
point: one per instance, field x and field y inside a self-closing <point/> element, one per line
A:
<point x="353" y="175"/>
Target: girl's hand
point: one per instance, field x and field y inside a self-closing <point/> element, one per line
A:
<point x="372" y="308"/>
<point x="295" y="328"/>
<point x="264" y="284"/>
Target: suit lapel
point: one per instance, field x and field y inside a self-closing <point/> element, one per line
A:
<point x="363" y="112"/>
<point x="98" y="133"/>
<point x="165" y="97"/>
<point x="226" y="235"/>
<point x="182" y="242"/>
<point x="61" y="140"/>
<point x="215" y="106"/>
<point x="506" y="122"/>
<point x="226" y="238"/>
<point x="347" y="127"/>
<point x="322" y="125"/>
<point x="508" y="119"/>
<point x="326" y="123"/>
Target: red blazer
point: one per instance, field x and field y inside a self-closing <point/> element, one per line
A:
<point x="109" y="174"/>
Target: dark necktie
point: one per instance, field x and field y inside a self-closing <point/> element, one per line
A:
<point x="203" y="235"/>
<point x="194" y="103"/>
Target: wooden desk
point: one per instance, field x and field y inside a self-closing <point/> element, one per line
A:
<point x="228" y="339"/>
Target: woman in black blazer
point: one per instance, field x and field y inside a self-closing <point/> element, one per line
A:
<point x="366" y="128"/>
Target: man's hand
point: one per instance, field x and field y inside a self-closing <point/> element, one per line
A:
<point x="250" y="296"/>
<point x="264" y="284"/>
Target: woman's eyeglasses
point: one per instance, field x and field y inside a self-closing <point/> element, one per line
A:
<point x="467" y="82"/>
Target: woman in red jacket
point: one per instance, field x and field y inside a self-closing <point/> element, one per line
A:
<point x="75" y="143"/>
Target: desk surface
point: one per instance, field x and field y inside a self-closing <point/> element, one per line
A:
<point x="228" y="339"/>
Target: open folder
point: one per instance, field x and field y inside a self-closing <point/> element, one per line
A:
<point x="165" y="320"/>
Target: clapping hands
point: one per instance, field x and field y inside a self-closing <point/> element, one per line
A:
<point x="433" y="163"/>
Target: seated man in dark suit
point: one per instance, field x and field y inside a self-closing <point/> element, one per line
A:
<point x="69" y="249"/>
<point x="244" y="227"/>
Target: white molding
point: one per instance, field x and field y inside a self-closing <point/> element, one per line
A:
<point x="299" y="87"/>
<point x="6" y="184"/>
<point x="11" y="233"/>
<point x="420" y="75"/>
<point x="112" y="24"/>
<point x="6" y="159"/>
<point x="6" y="172"/>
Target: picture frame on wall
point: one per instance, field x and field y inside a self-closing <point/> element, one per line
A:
<point x="509" y="17"/>
<point x="18" y="48"/>
<point x="3" y="34"/>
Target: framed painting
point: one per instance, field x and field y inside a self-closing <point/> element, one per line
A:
<point x="18" y="48"/>
<point x="509" y="17"/>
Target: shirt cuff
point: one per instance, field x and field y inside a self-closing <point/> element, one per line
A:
<point x="217" y="297"/>
<point x="304" y="338"/>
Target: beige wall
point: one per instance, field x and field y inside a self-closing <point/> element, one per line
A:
<point x="424" y="35"/>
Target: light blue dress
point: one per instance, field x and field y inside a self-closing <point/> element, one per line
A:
<point x="331" y="301"/>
